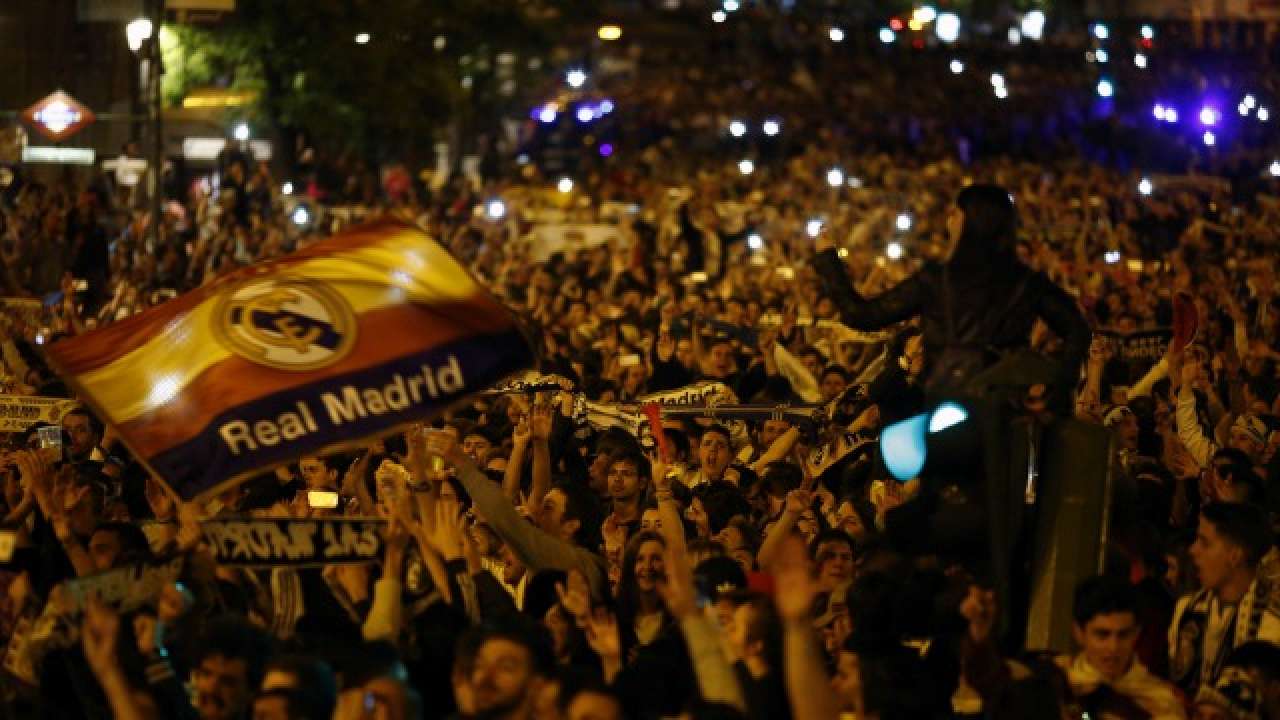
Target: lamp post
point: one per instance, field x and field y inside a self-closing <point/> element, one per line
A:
<point x="143" y="36"/>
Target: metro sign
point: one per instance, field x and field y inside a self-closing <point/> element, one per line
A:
<point x="58" y="116"/>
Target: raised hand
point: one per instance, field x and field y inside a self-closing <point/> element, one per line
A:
<point x="676" y="587"/>
<point x="798" y="501"/>
<point x="575" y="596"/>
<point x="666" y="347"/>
<point x="447" y="534"/>
<point x="98" y="638"/>
<point x="795" y="587"/>
<point x="602" y="635"/>
<point x="540" y="417"/>
<point x="521" y="434"/>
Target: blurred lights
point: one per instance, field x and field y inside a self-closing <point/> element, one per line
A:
<point x="746" y="167"/>
<point x="1208" y="116"/>
<point x="1159" y="111"/>
<point x="1140" y="61"/>
<point x="947" y="27"/>
<point x="835" y="177"/>
<point x="1144" y="186"/>
<point x="286" y="189"/>
<point x="1275" y="168"/>
<point x="755" y="242"/>
<point x="997" y="80"/>
<point x="896" y="24"/>
<point x="1033" y="25"/>
<point x="548" y="113"/>
<point x="1102" y="56"/>
<point x="731" y="5"/>
<point x="903" y="222"/>
<point x="606" y="150"/>
<point x="1209" y="138"/>
<point x="1263" y="114"/>
<point x="915" y="25"/>
<point x="718" y="16"/>
<point x="362" y="39"/>
<point x="1242" y="109"/>
<point x="813" y="228"/>
<point x="1171" y="115"/>
<point x="771" y="127"/>
<point x="893" y="250"/>
<point x="565" y="185"/>
<point x="242" y="132"/>
<point x="606" y="107"/>
<point x="576" y="78"/>
<point x="300" y="216"/>
<point x="1002" y="92"/>
<point x="1250" y="101"/>
<point x="957" y="67"/>
<point x="1100" y="31"/>
<point x="1014" y="35"/>
<point x="1105" y="89"/>
<point x="836" y="35"/>
<point x="887" y="36"/>
<point x="609" y="32"/>
<point x="925" y="14"/>
<point x="1111" y="257"/>
<point x="737" y="128"/>
<point x="1148" y="32"/>
<point x="586" y="114"/>
<point x="495" y="209"/>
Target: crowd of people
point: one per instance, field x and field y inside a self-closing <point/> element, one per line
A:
<point x="541" y="561"/>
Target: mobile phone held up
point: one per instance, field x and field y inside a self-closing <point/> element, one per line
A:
<point x="322" y="499"/>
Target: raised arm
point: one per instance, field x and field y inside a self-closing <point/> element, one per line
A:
<point x="901" y="302"/>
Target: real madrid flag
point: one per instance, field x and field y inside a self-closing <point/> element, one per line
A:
<point x="351" y="337"/>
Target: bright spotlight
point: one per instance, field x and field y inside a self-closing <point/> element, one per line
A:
<point x="1033" y="25"/>
<point x="586" y="114"/>
<point x="1158" y="111"/>
<point x="565" y="185"/>
<point x="1208" y="116"/>
<point x="1144" y="186"/>
<point x="547" y="114"/>
<point x="737" y="128"/>
<point x="1242" y="109"/>
<point x="731" y="5"/>
<point x="893" y="250"/>
<point x="903" y="222"/>
<point x="957" y="67"/>
<point x="1275" y="168"/>
<point x="242" y="132"/>
<point x="286" y="189"/>
<point x="1148" y="32"/>
<point x="1102" y="56"/>
<point x="609" y="32"/>
<point x="1171" y="115"/>
<point x="997" y="80"/>
<point x="495" y="209"/>
<point x="1140" y="61"/>
<point x="1002" y="92"/>
<point x="718" y="16"/>
<point x="1250" y="101"/>
<point x="754" y="241"/>
<point x="1209" y="138"/>
<point x="925" y="14"/>
<point x="576" y="78"/>
<point x="362" y="39"/>
<point x="1263" y="114"/>
<point x="1101" y="31"/>
<point x="835" y="177"/>
<point x="887" y="36"/>
<point x="300" y="216"/>
<point x="771" y="127"/>
<point x="1105" y="88"/>
<point x="746" y="167"/>
<point x="813" y="228"/>
<point x="1014" y="35"/>
<point x="947" y="27"/>
<point x="836" y="35"/>
<point x="1111" y="257"/>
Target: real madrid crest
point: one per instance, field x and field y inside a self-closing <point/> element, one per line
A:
<point x="286" y="323"/>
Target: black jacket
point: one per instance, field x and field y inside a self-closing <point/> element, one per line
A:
<point x="985" y="309"/>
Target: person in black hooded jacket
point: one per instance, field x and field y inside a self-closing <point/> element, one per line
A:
<point x="982" y="301"/>
<point x="977" y="309"/>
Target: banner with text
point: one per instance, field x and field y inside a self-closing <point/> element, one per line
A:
<point x="352" y="337"/>
<point x="19" y="412"/>
<point x="551" y="238"/>
<point x="125" y="589"/>
<point x="293" y="542"/>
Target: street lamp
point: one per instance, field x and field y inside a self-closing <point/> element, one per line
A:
<point x="137" y="32"/>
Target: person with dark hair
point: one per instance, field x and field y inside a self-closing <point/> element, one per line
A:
<point x="312" y="691"/>
<point x="83" y="432"/>
<point x="833" y="553"/>
<point x="1105" y="674"/>
<point x="628" y="478"/>
<point x="715" y="452"/>
<point x="896" y="390"/>
<point x="512" y="659"/>
<point x="1234" y="605"/>
<point x="117" y="544"/>
<point x="833" y="382"/>
<point x="228" y="667"/>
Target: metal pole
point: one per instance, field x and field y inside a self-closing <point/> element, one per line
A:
<point x="157" y="127"/>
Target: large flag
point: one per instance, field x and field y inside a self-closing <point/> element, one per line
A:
<point x="352" y="337"/>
